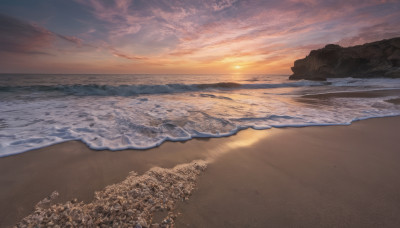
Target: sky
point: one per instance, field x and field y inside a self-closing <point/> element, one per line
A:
<point x="182" y="36"/>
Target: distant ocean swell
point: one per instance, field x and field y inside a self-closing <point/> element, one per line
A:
<point x="132" y="90"/>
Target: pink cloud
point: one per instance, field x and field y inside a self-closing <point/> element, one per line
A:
<point x="117" y="53"/>
<point x="21" y="37"/>
<point x="179" y="33"/>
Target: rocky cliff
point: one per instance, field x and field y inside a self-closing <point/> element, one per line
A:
<point x="370" y="60"/>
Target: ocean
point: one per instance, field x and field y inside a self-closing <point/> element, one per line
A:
<point x="118" y="112"/>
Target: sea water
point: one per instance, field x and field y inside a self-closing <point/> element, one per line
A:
<point x="142" y="111"/>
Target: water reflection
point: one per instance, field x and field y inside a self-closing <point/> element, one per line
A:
<point x="243" y="139"/>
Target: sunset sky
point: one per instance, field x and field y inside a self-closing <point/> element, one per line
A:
<point x="182" y="36"/>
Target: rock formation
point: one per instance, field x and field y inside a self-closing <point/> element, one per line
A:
<point x="370" y="60"/>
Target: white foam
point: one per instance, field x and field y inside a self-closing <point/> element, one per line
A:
<point x="29" y="122"/>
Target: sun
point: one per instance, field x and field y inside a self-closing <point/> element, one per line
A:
<point x="237" y="67"/>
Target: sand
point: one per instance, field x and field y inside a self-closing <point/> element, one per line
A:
<point x="394" y="101"/>
<point x="76" y="171"/>
<point x="359" y="94"/>
<point x="338" y="176"/>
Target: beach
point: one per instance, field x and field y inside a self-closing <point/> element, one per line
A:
<point x="221" y="113"/>
<point x="326" y="176"/>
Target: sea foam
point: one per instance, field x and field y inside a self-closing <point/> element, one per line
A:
<point x="141" y="116"/>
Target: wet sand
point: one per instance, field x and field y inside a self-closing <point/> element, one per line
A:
<point x="325" y="98"/>
<point x="338" y="176"/>
<point x="344" y="176"/>
<point x="394" y="101"/>
<point x="76" y="171"/>
<point x="359" y="94"/>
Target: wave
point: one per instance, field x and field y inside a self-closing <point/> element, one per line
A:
<point x="125" y="145"/>
<point x="117" y="123"/>
<point x="132" y="90"/>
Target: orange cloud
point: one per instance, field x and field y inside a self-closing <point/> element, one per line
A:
<point x="125" y="36"/>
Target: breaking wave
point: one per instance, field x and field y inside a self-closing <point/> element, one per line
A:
<point x="137" y="114"/>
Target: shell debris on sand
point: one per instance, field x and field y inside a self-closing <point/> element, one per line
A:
<point x="130" y="203"/>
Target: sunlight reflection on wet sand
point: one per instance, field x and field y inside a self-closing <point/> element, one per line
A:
<point x="241" y="140"/>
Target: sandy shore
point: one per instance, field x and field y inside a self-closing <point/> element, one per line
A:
<point x="339" y="176"/>
<point x="358" y="94"/>
<point x="76" y="171"/>
<point x="394" y="101"/>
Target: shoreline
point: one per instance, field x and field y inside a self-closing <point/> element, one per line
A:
<point x="76" y="171"/>
<point x="395" y="101"/>
<point x="304" y="99"/>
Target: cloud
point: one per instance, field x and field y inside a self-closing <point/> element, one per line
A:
<point x="372" y="33"/>
<point x="20" y="37"/>
<point x="120" y="54"/>
<point x="28" y="38"/>
<point x="117" y="14"/>
<point x="71" y="39"/>
<point x="222" y="4"/>
<point x="189" y="33"/>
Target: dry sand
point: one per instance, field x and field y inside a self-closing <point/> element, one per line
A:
<point x="339" y="176"/>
